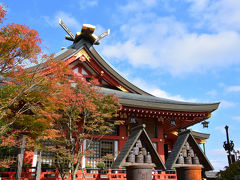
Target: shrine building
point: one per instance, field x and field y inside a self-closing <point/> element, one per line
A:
<point x="164" y="118"/>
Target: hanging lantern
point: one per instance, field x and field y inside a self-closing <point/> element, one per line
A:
<point x="132" y="120"/>
<point x="205" y="124"/>
<point x="173" y="122"/>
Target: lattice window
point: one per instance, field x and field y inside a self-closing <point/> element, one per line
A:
<point x="107" y="148"/>
<point x="9" y="153"/>
<point x="101" y="150"/>
<point x="48" y="158"/>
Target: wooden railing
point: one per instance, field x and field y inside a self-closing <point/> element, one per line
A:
<point x="94" y="174"/>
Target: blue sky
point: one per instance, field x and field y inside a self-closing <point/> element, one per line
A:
<point x="179" y="49"/>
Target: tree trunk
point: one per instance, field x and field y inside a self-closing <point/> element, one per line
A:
<point x="84" y="175"/>
<point x="20" y="159"/>
<point x="39" y="167"/>
<point x="73" y="176"/>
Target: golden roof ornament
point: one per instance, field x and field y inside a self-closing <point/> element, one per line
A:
<point x="87" y="32"/>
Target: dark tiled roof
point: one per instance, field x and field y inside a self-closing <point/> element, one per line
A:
<point x="138" y="97"/>
<point x="184" y="137"/>
<point x="200" y="135"/>
<point x="67" y="52"/>
<point x="138" y="133"/>
<point x="153" y="102"/>
<point x="172" y="158"/>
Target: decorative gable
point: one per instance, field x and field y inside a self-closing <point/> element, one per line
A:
<point x="186" y="151"/>
<point x="138" y="149"/>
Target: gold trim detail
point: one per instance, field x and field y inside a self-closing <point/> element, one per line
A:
<point x="122" y="88"/>
<point x="84" y="53"/>
<point x="175" y="133"/>
<point x="203" y="141"/>
<point x="209" y="115"/>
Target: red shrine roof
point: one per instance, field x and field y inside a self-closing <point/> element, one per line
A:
<point x="86" y="49"/>
<point x="83" y="52"/>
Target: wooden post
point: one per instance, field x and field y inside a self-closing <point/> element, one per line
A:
<point x="160" y="143"/>
<point x="20" y="159"/>
<point x="39" y="167"/>
<point x="122" y="135"/>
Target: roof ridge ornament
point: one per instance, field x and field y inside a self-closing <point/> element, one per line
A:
<point x="106" y="33"/>
<point x="71" y="36"/>
<point x="87" y="33"/>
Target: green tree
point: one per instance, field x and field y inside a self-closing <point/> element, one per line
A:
<point x="230" y="172"/>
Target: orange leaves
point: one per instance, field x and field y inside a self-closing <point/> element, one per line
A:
<point x="2" y="12"/>
<point x="7" y="140"/>
<point x="76" y="109"/>
<point x="18" y="43"/>
<point x="48" y="101"/>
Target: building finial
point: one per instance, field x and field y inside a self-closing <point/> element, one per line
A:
<point x="106" y="33"/>
<point x="71" y="36"/>
<point x="86" y="33"/>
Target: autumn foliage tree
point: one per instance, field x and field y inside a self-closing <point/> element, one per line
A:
<point x="19" y="97"/>
<point x="48" y="102"/>
<point x="80" y="111"/>
<point x="18" y="45"/>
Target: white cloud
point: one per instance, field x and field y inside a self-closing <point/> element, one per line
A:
<point x="99" y="30"/>
<point x="227" y="104"/>
<point x="217" y="152"/>
<point x="218" y="158"/>
<point x="168" y="44"/>
<point x="170" y="47"/>
<point x="198" y="5"/>
<point x="164" y="94"/>
<point x="212" y="92"/>
<point x="134" y="6"/>
<point x="87" y="3"/>
<point x="67" y="18"/>
<point x="221" y="84"/>
<point x="220" y="129"/>
<point x="236" y="118"/>
<point x="217" y="15"/>
<point x="233" y="89"/>
<point x="158" y="92"/>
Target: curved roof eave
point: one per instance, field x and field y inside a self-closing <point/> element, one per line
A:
<point x="117" y="76"/>
<point x="152" y="102"/>
<point x="67" y="52"/>
<point x="200" y="135"/>
<point x="138" y="98"/>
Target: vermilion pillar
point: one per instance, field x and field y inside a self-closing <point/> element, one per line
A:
<point x="122" y="136"/>
<point x="160" y="144"/>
